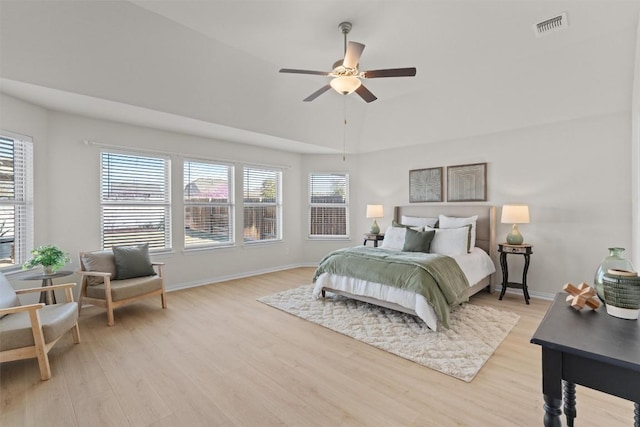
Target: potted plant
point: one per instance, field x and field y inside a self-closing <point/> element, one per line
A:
<point x="50" y="257"/>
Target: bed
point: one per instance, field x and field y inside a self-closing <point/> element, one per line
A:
<point x="477" y="265"/>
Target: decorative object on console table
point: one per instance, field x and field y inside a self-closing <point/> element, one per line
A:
<point x="616" y="260"/>
<point x="375" y="238"/>
<point x="581" y="296"/>
<point x="515" y="214"/>
<point x="467" y="183"/>
<point x="425" y="185"/>
<point x="622" y="293"/>
<point x="525" y="250"/>
<point x="375" y="211"/>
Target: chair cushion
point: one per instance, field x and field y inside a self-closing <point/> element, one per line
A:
<point x="102" y="261"/>
<point x="132" y="261"/>
<point x="15" y="329"/>
<point x="128" y="288"/>
<point x="8" y="297"/>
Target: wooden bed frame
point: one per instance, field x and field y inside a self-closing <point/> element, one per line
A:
<point x="485" y="239"/>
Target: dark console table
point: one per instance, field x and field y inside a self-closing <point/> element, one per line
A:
<point x="589" y="348"/>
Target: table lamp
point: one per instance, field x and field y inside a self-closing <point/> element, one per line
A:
<point x="515" y="214"/>
<point x="375" y="211"/>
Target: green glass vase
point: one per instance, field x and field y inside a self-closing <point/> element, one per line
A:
<point x="615" y="260"/>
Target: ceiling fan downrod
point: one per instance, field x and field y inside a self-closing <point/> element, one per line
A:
<point x="345" y="27"/>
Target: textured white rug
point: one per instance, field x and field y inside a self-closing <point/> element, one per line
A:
<point x="461" y="351"/>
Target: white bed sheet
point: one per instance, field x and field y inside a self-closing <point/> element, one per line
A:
<point x="475" y="265"/>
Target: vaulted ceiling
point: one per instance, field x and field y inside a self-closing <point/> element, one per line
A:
<point x="210" y="68"/>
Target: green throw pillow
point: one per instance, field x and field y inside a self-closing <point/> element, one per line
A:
<point x="132" y="261"/>
<point x="418" y="241"/>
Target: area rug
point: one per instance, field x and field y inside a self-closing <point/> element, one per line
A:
<point x="475" y="333"/>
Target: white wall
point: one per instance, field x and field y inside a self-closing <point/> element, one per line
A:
<point x="635" y="155"/>
<point x="574" y="176"/>
<point x="67" y="190"/>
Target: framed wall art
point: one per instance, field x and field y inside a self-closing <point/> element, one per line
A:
<point x="467" y="183"/>
<point x="425" y="185"/>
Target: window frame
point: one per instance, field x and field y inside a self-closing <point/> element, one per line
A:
<point x="165" y="204"/>
<point x="23" y="182"/>
<point x="277" y="203"/>
<point x="230" y="204"/>
<point x="312" y="205"/>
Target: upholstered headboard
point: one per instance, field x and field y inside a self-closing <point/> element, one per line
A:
<point x="485" y="225"/>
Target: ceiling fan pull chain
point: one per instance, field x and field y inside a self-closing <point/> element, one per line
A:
<point x="344" y="129"/>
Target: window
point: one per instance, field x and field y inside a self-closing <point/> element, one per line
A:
<point x="208" y="204"/>
<point x="16" y="199"/>
<point x="328" y="205"/>
<point x="262" y="196"/>
<point x="135" y="200"/>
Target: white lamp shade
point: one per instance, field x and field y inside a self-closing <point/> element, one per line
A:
<point x="515" y="214"/>
<point x="345" y="84"/>
<point x="375" y="211"/>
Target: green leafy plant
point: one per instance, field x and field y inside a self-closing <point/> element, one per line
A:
<point x="47" y="256"/>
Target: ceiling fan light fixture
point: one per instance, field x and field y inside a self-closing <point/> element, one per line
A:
<point x="345" y="84"/>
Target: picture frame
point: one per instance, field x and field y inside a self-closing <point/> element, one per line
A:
<point x="425" y="185"/>
<point x="467" y="183"/>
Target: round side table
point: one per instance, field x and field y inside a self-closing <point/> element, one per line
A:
<point x="47" y="296"/>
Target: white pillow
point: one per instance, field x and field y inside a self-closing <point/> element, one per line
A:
<point x="450" y="241"/>
<point x="394" y="238"/>
<point x="418" y="221"/>
<point x="453" y="222"/>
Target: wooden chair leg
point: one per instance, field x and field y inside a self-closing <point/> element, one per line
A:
<point x="75" y="331"/>
<point x="163" y="297"/>
<point x="110" y="320"/>
<point x="38" y="338"/>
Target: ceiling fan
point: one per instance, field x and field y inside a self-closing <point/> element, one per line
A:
<point x="346" y="75"/>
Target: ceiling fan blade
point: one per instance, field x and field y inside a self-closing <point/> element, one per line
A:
<point x="390" y="72"/>
<point x="352" y="56"/>
<point x="365" y="94"/>
<point x="317" y="93"/>
<point x="291" y="70"/>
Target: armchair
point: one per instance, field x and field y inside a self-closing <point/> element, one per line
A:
<point x="30" y="331"/>
<point x="105" y="282"/>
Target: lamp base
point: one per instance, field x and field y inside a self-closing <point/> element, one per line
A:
<point x="514" y="237"/>
<point x="374" y="228"/>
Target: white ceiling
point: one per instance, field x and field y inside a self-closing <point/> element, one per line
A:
<point x="210" y="68"/>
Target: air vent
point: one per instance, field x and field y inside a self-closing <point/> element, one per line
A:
<point x="551" y="25"/>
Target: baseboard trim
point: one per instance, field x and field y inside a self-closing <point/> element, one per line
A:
<point x="243" y="275"/>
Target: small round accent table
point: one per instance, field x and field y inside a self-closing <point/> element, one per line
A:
<point x="47" y="296"/>
<point x="507" y="249"/>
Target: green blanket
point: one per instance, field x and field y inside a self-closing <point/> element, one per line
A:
<point x="436" y="277"/>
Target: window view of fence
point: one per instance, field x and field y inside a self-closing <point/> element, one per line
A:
<point x="208" y="204"/>
<point x="135" y="200"/>
<point x="262" y="204"/>
<point x="328" y="205"/>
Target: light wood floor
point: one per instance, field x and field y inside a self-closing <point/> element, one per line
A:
<point x="217" y="357"/>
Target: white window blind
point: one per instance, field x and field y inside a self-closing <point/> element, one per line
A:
<point x="262" y="204"/>
<point x="16" y="199"/>
<point x="208" y="204"/>
<point x="135" y="200"/>
<point x="328" y="204"/>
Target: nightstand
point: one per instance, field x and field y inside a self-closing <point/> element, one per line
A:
<point x="375" y="238"/>
<point x="507" y="249"/>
